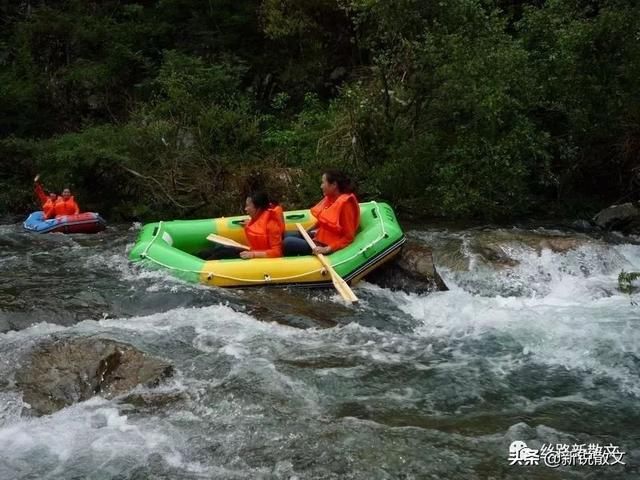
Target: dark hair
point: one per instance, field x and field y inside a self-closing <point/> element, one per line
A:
<point x="260" y="200"/>
<point x="339" y="178"/>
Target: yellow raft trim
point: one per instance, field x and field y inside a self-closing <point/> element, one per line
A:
<point x="227" y="273"/>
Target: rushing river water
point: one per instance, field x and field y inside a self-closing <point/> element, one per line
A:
<point x="293" y="384"/>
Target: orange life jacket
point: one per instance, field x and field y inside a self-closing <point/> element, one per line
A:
<point x="278" y="214"/>
<point x="49" y="209"/>
<point x="264" y="233"/>
<point x="48" y="205"/>
<point x="66" y="207"/>
<point x="334" y="228"/>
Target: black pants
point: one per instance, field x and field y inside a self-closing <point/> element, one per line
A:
<point x="294" y="244"/>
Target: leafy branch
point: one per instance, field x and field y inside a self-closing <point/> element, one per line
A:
<point x="625" y="283"/>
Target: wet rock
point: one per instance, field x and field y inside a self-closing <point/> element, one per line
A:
<point x="67" y="371"/>
<point x="497" y="250"/>
<point x="496" y="255"/>
<point x="582" y="226"/>
<point x="506" y="248"/>
<point x="291" y="307"/>
<point x="520" y="432"/>
<point x="624" y="217"/>
<point x="499" y="255"/>
<point x="411" y="271"/>
<point x="154" y="400"/>
<point x="560" y="244"/>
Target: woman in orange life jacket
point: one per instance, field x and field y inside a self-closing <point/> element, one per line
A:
<point x="263" y="230"/>
<point x="338" y="215"/>
<point x="47" y="202"/>
<point x="66" y="204"/>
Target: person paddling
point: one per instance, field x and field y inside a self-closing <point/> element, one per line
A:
<point x="47" y="202"/>
<point x="263" y="231"/>
<point x="338" y="218"/>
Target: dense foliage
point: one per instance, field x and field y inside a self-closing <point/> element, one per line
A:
<point x="463" y="108"/>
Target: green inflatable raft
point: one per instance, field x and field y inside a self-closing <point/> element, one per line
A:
<point x="172" y="245"/>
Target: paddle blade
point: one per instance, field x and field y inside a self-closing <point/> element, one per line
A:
<point x="343" y="288"/>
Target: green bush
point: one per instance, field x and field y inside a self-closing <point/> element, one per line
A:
<point x="465" y="108"/>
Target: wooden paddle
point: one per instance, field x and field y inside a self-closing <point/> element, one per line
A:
<point x="338" y="281"/>
<point x="226" y="241"/>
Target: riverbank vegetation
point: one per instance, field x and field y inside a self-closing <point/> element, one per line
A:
<point x="461" y="109"/>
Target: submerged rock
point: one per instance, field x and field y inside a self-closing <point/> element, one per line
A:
<point x="67" y="371"/>
<point x="411" y="271"/>
<point x="561" y="244"/>
<point x="496" y="255"/>
<point x="624" y="217"/>
<point x="498" y="250"/>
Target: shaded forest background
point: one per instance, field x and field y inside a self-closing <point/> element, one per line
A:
<point x="459" y="108"/>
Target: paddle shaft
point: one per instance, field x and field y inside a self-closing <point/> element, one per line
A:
<point x="226" y="241"/>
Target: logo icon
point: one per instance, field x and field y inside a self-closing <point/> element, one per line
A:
<point x="520" y="454"/>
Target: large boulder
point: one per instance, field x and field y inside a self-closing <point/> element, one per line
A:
<point x="67" y="371"/>
<point x="624" y="217"/>
<point x="411" y="271"/>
